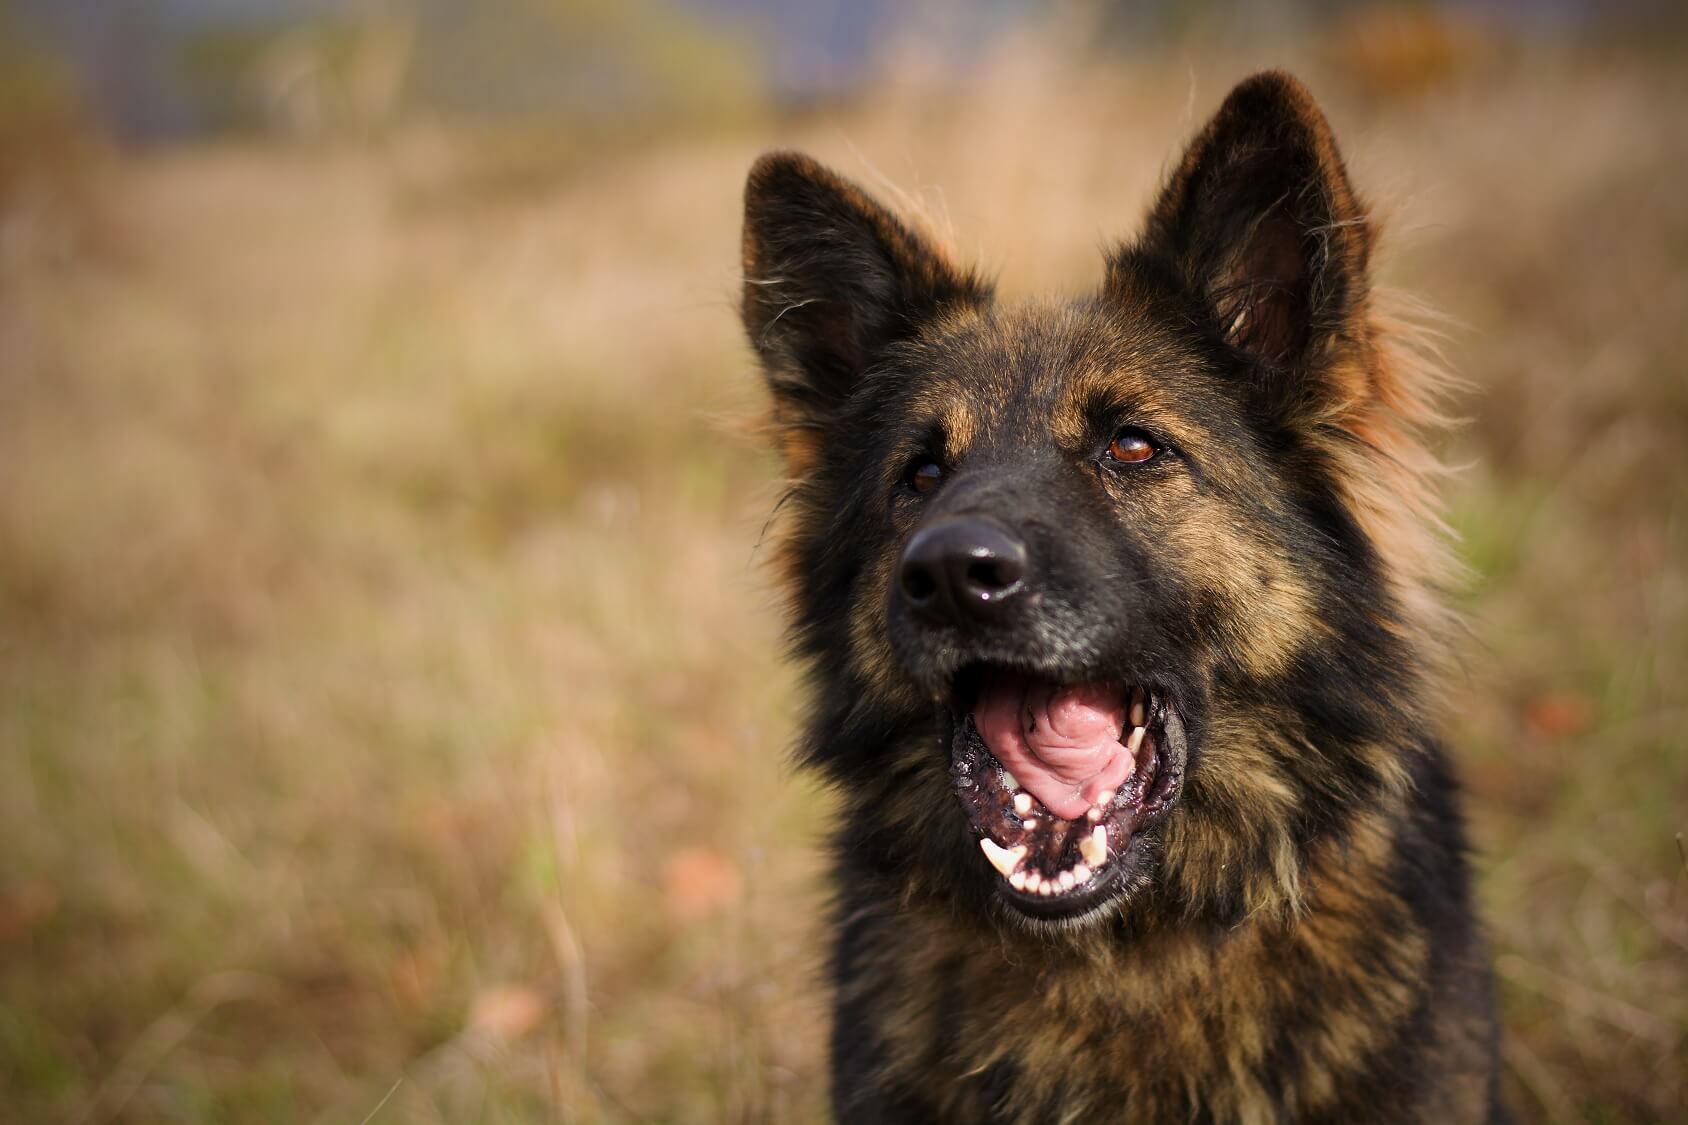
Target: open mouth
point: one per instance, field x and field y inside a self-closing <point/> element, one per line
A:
<point x="1061" y="780"/>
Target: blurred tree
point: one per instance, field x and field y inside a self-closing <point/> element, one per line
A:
<point x="330" y="74"/>
<point x="591" y="59"/>
<point x="45" y="137"/>
<point x="160" y="68"/>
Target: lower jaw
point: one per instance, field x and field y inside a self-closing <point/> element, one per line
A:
<point x="1094" y="897"/>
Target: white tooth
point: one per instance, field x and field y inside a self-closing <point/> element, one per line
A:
<point x="1032" y="880"/>
<point x="1139" y="711"/>
<point x="1022" y="803"/>
<point x="1094" y="847"/>
<point x="1030" y="822"/>
<point x="1106" y="799"/>
<point x="1093" y="814"/>
<point x="1081" y="874"/>
<point x="1003" y="859"/>
<point x="1017" y="880"/>
<point x="1135" y="742"/>
<point x="1047" y="887"/>
<point x="1009" y="780"/>
<point x="1067" y="881"/>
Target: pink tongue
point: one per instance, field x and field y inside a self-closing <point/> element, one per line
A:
<point x="1061" y="743"/>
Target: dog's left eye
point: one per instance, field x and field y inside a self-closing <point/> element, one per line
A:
<point x="1132" y="446"/>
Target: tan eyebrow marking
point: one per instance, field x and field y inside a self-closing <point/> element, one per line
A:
<point x="959" y="428"/>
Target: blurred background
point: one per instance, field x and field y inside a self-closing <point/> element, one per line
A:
<point x="392" y="710"/>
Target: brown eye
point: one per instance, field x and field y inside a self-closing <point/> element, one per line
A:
<point x="925" y="477"/>
<point x="1131" y="447"/>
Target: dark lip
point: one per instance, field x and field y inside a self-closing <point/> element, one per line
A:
<point x="937" y="661"/>
<point x="1123" y="869"/>
<point x="961" y="688"/>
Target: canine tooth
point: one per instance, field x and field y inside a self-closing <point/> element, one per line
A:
<point x="1135" y="742"/>
<point x="1094" y="847"/>
<point x="1017" y="880"/>
<point x="1022" y="803"/>
<point x="1003" y="859"/>
<point x="1139" y="709"/>
<point x="1067" y="881"/>
<point x="1081" y="874"/>
<point x="1011" y="781"/>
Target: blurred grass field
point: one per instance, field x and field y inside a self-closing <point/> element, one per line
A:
<point x="392" y="710"/>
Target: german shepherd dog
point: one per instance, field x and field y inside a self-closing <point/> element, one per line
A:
<point x="1123" y="632"/>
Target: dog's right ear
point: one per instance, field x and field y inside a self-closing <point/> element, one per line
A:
<point x="831" y="279"/>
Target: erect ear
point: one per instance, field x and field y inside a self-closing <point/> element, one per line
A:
<point x="831" y="279"/>
<point x="1259" y="221"/>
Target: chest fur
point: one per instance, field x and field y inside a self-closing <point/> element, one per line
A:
<point x="1266" y="1023"/>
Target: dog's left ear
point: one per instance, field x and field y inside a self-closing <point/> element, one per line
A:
<point x="1260" y="224"/>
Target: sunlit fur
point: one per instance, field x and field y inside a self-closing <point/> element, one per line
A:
<point x="1296" y="941"/>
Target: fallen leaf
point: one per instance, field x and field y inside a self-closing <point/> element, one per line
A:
<point x="23" y="909"/>
<point x="698" y="882"/>
<point x="1558" y="716"/>
<point x="507" y="1012"/>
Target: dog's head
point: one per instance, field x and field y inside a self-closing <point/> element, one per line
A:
<point x="1142" y="556"/>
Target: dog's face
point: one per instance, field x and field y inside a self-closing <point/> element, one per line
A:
<point x="1100" y="546"/>
<point x="1065" y="496"/>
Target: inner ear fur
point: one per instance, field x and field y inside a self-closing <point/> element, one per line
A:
<point x="1260" y="223"/>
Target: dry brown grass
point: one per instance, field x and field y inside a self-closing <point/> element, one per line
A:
<point x="391" y="707"/>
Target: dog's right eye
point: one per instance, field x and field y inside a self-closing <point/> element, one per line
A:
<point x="924" y="476"/>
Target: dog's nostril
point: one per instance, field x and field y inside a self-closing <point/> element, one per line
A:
<point x="989" y="575"/>
<point x="919" y="584"/>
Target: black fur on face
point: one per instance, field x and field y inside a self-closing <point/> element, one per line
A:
<point x="1141" y="489"/>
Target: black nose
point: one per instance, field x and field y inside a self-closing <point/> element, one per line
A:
<point x="961" y="571"/>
